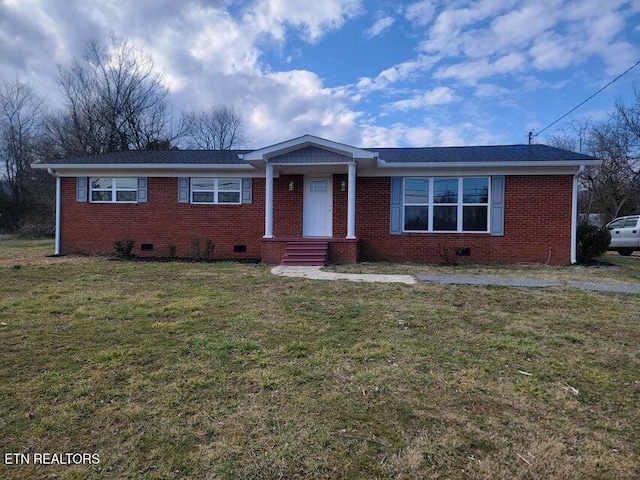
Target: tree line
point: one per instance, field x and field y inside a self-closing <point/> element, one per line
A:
<point x="611" y="189"/>
<point x="114" y="100"/>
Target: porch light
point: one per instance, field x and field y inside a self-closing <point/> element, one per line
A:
<point x="291" y="185"/>
<point x="343" y="186"/>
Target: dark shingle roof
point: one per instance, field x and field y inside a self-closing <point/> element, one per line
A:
<point x="489" y="154"/>
<point x="190" y="157"/>
<point x="497" y="153"/>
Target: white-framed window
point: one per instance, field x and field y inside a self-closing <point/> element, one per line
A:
<point x="113" y="189"/>
<point x="446" y="204"/>
<point x="318" y="186"/>
<point x="416" y="204"/>
<point x="216" y="190"/>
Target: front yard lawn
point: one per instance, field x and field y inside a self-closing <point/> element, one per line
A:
<point x="222" y="370"/>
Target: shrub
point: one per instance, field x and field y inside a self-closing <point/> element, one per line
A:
<point x="195" y="248"/>
<point x="172" y="250"/>
<point x="447" y="254"/>
<point x="208" y="248"/>
<point x="124" y="247"/>
<point x="201" y="248"/>
<point x="592" y="242"/>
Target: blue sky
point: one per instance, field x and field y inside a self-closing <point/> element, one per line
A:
<point x="367" y="73"/>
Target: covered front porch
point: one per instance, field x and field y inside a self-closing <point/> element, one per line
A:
<point x="310" y="211"/>
<point x="310" y="199"/>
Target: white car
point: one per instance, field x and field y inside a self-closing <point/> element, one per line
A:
<point x="625" y="235"/>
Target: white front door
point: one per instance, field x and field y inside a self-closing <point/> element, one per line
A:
<point x="318" y="205"/>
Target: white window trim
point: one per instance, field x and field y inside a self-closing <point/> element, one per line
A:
<point x="460" y="205"/>
<point x="216" y="191"/>
<point x="467" y="204"/>
<point x="114" y="191"/>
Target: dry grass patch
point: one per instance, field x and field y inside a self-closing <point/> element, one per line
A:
<point x="613" y="268"/>
<point x="176" y="370"/>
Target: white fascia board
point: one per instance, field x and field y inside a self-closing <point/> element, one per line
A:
<point x="143" y="166"/>
<point x="439" y="165"/>
<point x="179" y="171"/>
<point x="306" y="141"/>
<point x="149" y="170"/>
<point x="310" y="164"/>
<point x="448" y="170"/>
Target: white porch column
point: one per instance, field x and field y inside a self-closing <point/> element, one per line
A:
<point x="58" y="212"/>
<point x="268" y="212"/>
<point x="574" y="217"/>
<point x="351" y="202"/>
<point x="50" y="171"/>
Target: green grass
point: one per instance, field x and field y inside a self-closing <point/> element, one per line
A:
<point x="14" y="249"/>
<point x="222" y="370"/>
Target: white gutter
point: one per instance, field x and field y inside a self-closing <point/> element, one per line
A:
<point x="542" y="163"/>
<point x="58" y="209"/>
<point x="574" y="217"/>
<point x="143" y="166"/>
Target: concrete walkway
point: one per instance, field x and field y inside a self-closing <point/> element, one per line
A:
<point x="316" y="273"/>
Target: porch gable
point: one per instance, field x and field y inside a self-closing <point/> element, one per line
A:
<point x="310" y="155"/>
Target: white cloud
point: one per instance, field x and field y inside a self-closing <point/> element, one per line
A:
<point x="437" y="96"/>
<point x="420" y="13"/>
<point x="476" y="40"/>
<point x="288" y="104"/>
<point x="472" y="72"/>
<point x="510" y="63"/>
<point x="397" y="135"/>
<point x="426" y="135"/>
<point x="469" y="73"/>
<point x="313" y="18"/>
<point x="448" y="33"/>
<point x="518" y="28"/>
<point x="491" y="90"/>
<point x="396" y="73"/>
<point x="378" y="27"/>
<point x="550" y="51"/>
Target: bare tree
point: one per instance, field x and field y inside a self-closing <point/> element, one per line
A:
<point x="630" y="118"/>
<point x="218" y="128"/>
<point x="115" y="100"/>
<point x="612" y="188"/>
<point x="26" y="196"/>
<point x="573" y="138"/>
<point x="564" y="140"/>
<point x="614" y="185"/>
<point x="21" y="113"/>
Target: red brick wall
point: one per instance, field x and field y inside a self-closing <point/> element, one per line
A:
<point x="287" y="206"/>
<point x="537" y="226"/>
<point x="339" y="207"/>
<point x="93" y="227"/>
<point x="272" y="251"/>
<point x="343" y="251"/>
<point x="537" y="223"/>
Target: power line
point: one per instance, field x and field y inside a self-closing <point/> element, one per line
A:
<point x="579" y="105"/>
